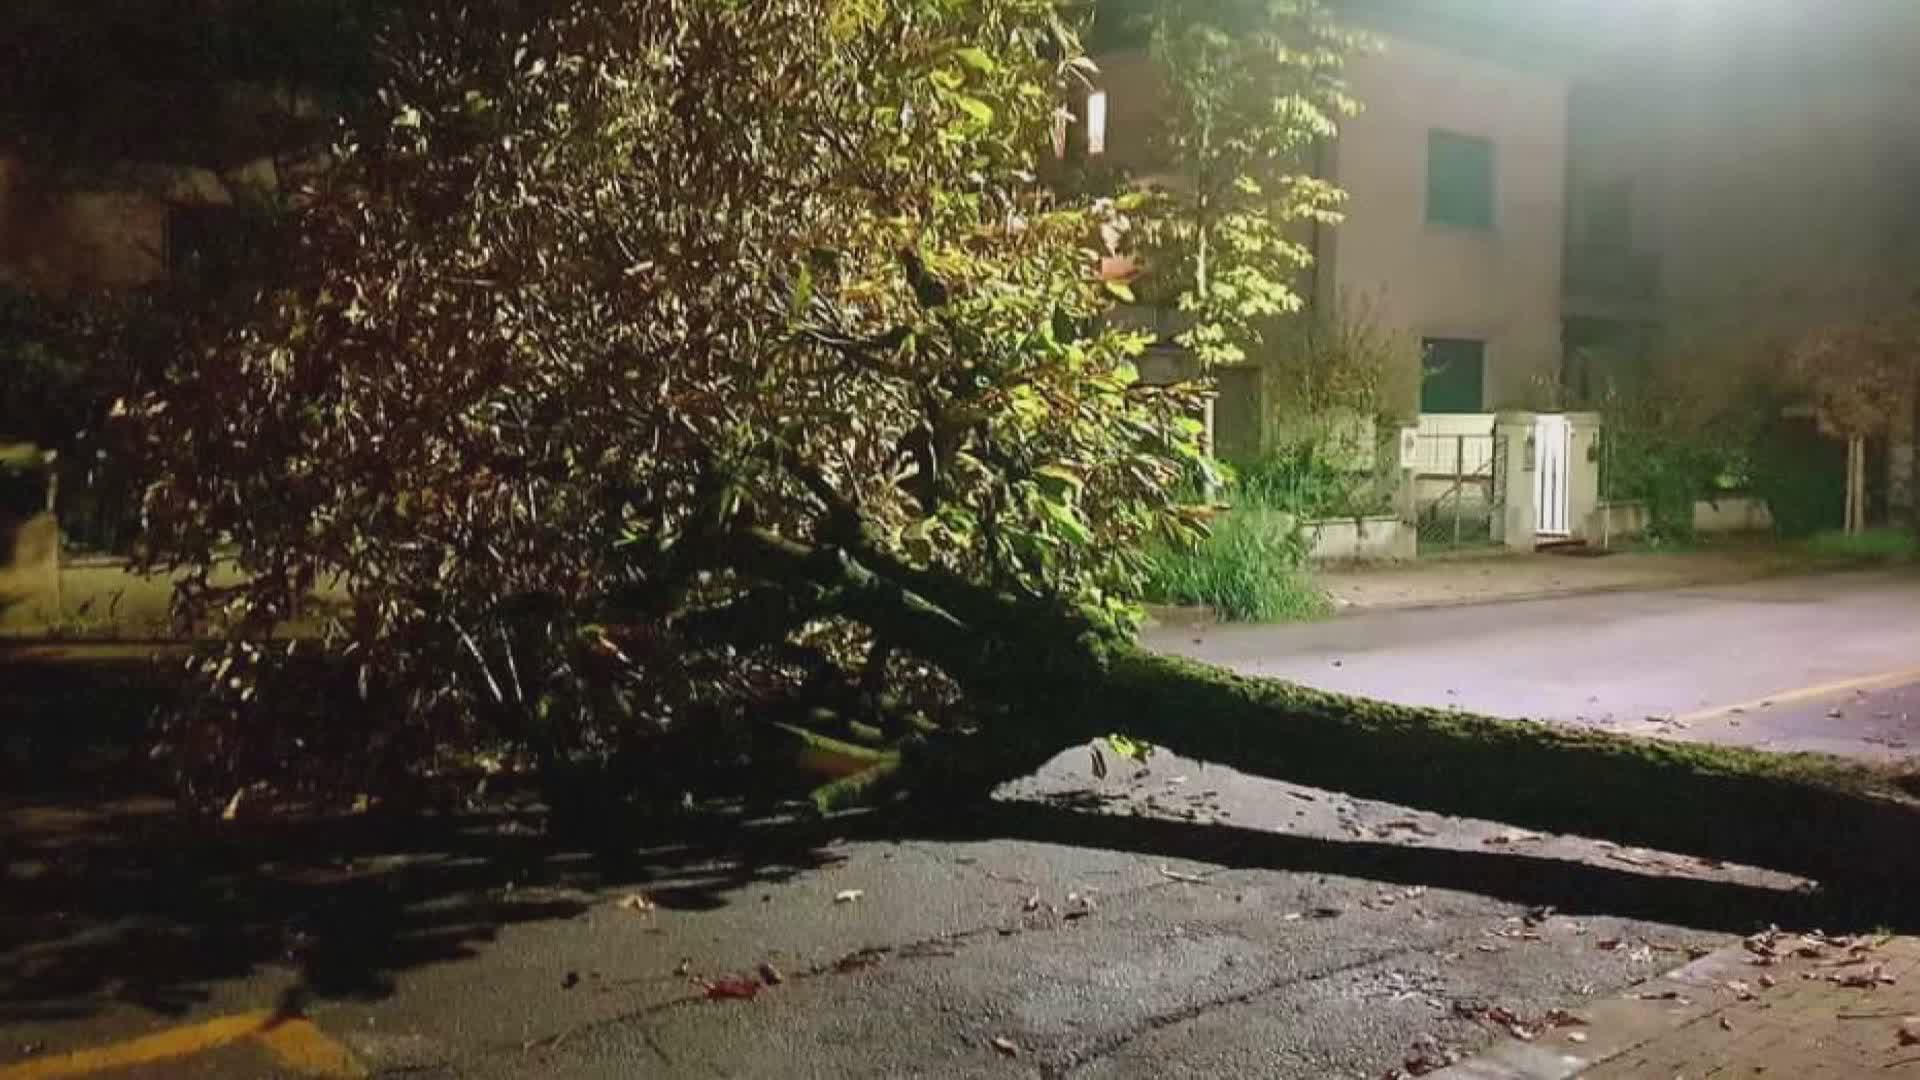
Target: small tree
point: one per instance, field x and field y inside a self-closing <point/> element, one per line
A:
<point x="1252" y="89"/>
<point x="1861" y="378"/>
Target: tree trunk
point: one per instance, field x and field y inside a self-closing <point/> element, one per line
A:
<point x="1045" y="679"/>
<point x="1815" y="815"/>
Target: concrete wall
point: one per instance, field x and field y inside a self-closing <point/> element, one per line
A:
<point x="1368" y="539"/>
<point x="1500" y="285"/>
<point x="1733" y="513"/>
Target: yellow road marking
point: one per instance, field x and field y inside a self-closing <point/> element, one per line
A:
<point x="1805" y="694"/>
<point x="302" y="1047"/>
<point x="296" y="1043"/>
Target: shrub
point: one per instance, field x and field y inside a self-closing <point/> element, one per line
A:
<point x="1251" y="567"/>
<point x="1311" y="479"/>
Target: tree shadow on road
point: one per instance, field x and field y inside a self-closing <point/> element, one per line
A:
<point x="1570" y="887"/>
<point x="128" y="904"/>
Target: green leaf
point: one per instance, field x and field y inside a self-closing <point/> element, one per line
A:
<point x="802" y="293"/>
<point x="979" y="110"/>
<point x="1062" y="476"/>
<point x="1132" y="749"/>
<point x="977" y="59"/>
<point x="1120" y="289"/>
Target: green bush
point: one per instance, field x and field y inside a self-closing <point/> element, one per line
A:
<point x="1251" y="567"/>
<point x="1802" y="476"/>
<point x="1304" y="479"/>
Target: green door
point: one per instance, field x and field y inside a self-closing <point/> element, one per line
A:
<point x="1455" y="375"/>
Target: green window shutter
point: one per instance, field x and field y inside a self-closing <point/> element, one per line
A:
<point x="1455" y="376"/>
<point x="1459" y="180"/>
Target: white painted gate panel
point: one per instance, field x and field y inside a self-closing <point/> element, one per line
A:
<point x="1552" y="463"/>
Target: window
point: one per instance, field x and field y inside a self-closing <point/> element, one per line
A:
<point x="1459" y="180"/>
<point x="1454" y="376"/>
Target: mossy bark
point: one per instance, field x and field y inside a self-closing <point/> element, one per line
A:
<point x="1821" y="816"/>
<point x="1045" y="678"/>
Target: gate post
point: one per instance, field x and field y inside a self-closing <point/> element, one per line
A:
<point x="1583" y="475"/>
<point x="1517" y="519"/>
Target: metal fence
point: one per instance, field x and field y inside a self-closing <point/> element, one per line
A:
<point x="1456" y="497"/>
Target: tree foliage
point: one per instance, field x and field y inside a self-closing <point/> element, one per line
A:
<point x="1253" y="90"/>
<point x="1859" y="375"/>
<point x="640" y="357"/>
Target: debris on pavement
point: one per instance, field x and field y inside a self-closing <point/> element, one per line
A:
<point x="1005" y="1045"/>
<point x="1513" y="836"/>
<point x="732" y="988"/>
<point x="1191" y="879"/>
<point x="1427" y="1055"/>
<point x="848" y="896"/>
<point x="859" y="958"/>
<point x="770" y="974"/>
<point x="639" y="902"/>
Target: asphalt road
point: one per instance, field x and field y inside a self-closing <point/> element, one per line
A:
<point x="1174" y="921"/>
<point x="1829" y="662"/>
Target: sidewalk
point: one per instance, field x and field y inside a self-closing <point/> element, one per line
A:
<point x="1447" y="582"/>
<point x="1785" y="1005"/>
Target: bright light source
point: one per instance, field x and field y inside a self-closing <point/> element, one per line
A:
<point x="1097" y="122"/>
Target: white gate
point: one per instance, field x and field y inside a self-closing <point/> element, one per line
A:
<point x="1552" y="461"/>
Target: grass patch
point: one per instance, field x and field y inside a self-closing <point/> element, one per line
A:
<point x="1250" y="568"/>
<point x="1888" y="545"/>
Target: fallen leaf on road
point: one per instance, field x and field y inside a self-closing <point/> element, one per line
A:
<point x="1409" y="825"/>
<point x="1032" y="903"/>
<point x="1608" y="944"/>
<point x="1515" y="836"/>
<point x="683" y="967"/>
<point x="1909" y="1031"/>
<point x="640" y="902"/>
<point x="1326" y="911"/>
<point x="1563" y="1018"/>
<point x="770" y="974"/>
<point x="232" y="810"/>
<point x="1740" y="990"/>
<point x="732" y="989"/>
<point x="1191" y="879"/>
<point x="1486" y="948"/>
<point x="1005" y="1045"/>
<point x="1872" y="978"/>
<point x="1078" y="907"/>
<point x="1576" y="1036"/>
<point x="848" y="896"/>
<point x="1641" y="955"/>
<point x="1726" y="1024"/>
<point x="861" y="958"/>
<point x="1664" y="995"/>
<point x="1768" y="981"/>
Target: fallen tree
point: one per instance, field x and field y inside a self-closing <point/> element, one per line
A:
<point x="656" y="379"/>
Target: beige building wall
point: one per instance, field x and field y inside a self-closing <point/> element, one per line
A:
<point x="1498" y="285"/>
<point x="57" y="242"/>
<point x="1775" y="147"/>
